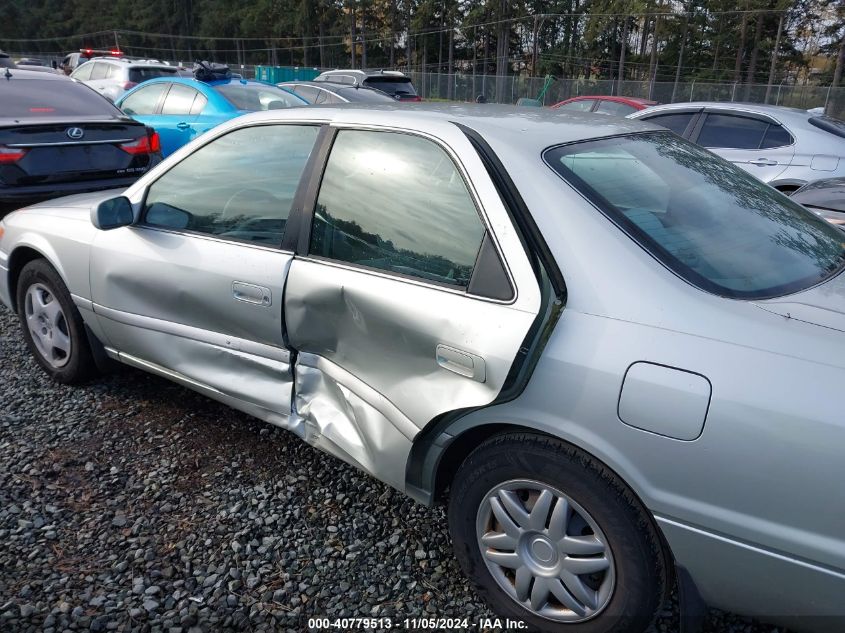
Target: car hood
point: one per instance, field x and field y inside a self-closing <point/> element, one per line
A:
<point x="822" y="305"/>
<point x="75" y="206"/>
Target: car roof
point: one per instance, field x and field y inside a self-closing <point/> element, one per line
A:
<point x="329" y="85"/>
<point x="133" y="62"/>
<point x="20" y="73"/>
<point x="777" y="112"/>
<point x="532" y="129"/>
<point x="619" y="98"/>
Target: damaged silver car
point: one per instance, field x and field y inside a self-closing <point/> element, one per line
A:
<point x="614" y="355"/>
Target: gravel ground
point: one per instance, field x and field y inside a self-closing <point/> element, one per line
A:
<point x="135" y="504"/>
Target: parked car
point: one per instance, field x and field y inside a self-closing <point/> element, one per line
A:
<point x="113" y="76"/>
<point x="392" y="82"/>
<point x="58" y="136"/>
<point x="825" y="198"/>
<point x="604" y="104"/>
<point x="784" y="147"/>
<point x="72" y="61"/>
<point x="181" y="109"/>
<point x="317" y="93"/>
<point x="617" y="352"/>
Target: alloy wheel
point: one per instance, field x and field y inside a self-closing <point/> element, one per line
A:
<point x="545" y="551"/>
<point x="47" y="325"/>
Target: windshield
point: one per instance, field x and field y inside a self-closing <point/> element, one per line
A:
<point x="257" y="97"/>
<point x="710" y="222"/>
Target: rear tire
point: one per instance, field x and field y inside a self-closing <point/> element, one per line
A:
<point x="511" y="501"/>
<point x="52" y="326"/>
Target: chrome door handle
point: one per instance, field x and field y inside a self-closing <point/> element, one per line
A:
<point x="462" y="363"/>
<point x="183" y="126"/>
<point x="763" y="162"/>
<point x="250" y="293"/>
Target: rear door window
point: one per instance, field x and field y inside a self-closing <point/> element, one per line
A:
<point x="144" y="100"/>
<point x="179" y="100"/>
<point x="396" y="202"/>
<point x="677" y="122"/>
<point x="776" y="136"/>
<point x="729" y="131"/>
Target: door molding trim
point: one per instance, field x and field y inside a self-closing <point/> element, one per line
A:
<point x="224" y="341"/>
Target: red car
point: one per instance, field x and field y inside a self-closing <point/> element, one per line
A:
<point x="615" y="106"/>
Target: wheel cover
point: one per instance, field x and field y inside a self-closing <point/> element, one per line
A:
<point x="545" y="551"/>
<point x="47" y="325"/>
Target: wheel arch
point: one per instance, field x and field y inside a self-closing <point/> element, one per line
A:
<point x="20" y="256"/>
<point x="434" y="461"/>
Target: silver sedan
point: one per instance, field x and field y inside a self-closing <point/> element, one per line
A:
<point x="783" y="147"/>
<point x="614" y="355"/>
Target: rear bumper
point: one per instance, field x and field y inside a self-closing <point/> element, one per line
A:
<point x="767" y="585"/>
<point x="35" y="193"/>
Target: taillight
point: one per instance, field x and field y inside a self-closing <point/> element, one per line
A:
<point x="129" y="84"/>
<point x="9" y="155"/>
<point x="150" y="144"/>
<point x="141" y="146"/>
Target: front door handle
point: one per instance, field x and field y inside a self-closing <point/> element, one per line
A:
<point x="763" y="162"/>
<point x="250" y="293"/>
<point x="182" y="125"/>
<point x="462" y="363"/>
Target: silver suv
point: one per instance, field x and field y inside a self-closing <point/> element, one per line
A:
<point x="112" y="76"/>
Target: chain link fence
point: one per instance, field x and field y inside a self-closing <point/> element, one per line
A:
<point x="467" y="87"/>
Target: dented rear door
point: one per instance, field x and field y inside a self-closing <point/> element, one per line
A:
<point x="195" y="290"/>
<point x="411" y="297"/>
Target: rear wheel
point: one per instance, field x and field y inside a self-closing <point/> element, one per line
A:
<point x="52" y="326"/>
<point x="552" y="537"/>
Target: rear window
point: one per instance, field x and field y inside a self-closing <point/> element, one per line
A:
<point x="25" y="98"/>
<point x="829" y="124"/>
<point x="258" y="97"/>
<point x="707" y="220"/>
<point x="401" y="86"/>
<point x="365" y="95"/>
<point x="141" y="73"/>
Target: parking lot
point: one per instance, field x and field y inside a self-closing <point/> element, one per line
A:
<point x="135" y="504"/>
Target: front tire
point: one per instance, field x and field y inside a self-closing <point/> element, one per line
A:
<point x="550" y="536"/>
<point x="51" y="324"/>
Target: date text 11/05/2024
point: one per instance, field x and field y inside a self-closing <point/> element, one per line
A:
<point x="416" y="624"/>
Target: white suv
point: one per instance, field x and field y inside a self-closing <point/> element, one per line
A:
<point x="112" y="76"/>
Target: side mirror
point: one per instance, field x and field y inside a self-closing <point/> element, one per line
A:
<point x="112" y="214"/>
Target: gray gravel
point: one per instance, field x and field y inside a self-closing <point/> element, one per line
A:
<point x="134" y="504"/>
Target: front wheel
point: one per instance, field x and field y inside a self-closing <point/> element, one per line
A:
<point x="52" y="326"/>
<point x="552" y="537"/>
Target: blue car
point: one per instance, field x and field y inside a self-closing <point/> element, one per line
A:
<point x="180" y="109"/>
